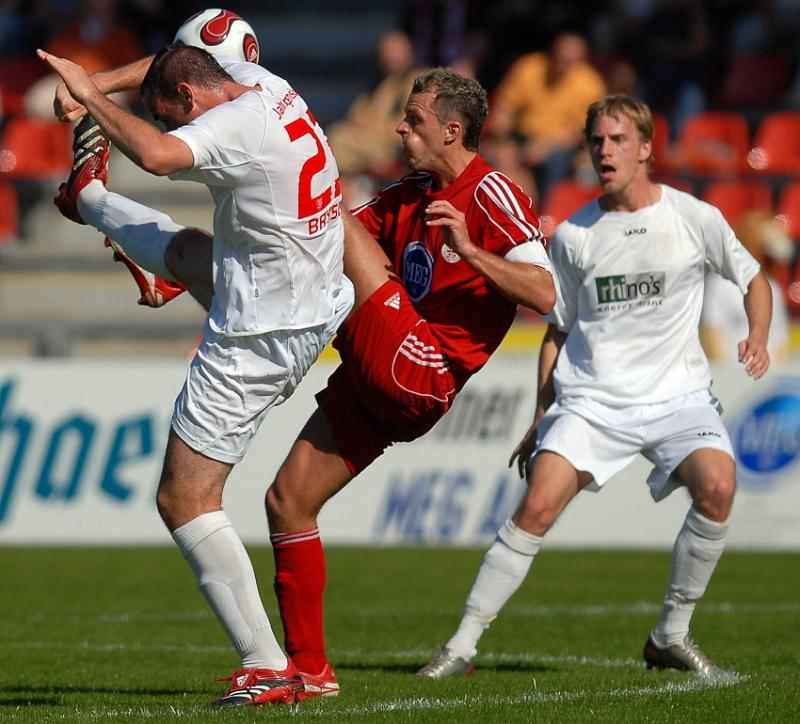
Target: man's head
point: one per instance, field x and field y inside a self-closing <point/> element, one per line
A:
<point x="182" y="83"/>
<point x="395" y="53"/>
<point x="445" y="113"/>
<point x="567" y="50"/>
<point x="619" y="132"/>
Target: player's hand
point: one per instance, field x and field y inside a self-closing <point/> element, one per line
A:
<point x="76" y="79"/>
<point x="65" y="107"/>
<point x="754" y="356"/>
<point x="523" y="451"/>
<point x="454" y="225"/>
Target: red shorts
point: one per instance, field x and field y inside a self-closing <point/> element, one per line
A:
<point x="394" y="383"/>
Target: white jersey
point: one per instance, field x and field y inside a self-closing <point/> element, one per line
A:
<point x="631" y="291"/>
<point x="278" y="231"/>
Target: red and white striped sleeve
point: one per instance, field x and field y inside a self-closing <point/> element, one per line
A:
<point x="509" y="211"/>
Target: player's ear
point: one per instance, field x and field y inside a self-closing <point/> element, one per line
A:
<point x="452" y="131"/>
<point x="645" y="150"/>
<point x="186" y="96"/>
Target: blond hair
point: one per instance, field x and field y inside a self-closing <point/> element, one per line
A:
<point x="622" y="105"/>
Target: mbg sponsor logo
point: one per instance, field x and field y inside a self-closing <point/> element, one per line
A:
<point x="417" y="270"/>
<point x="629" y="287"/>
<point x="439" y="505"/>
<point x="766" y="437"/>
<point x="64" y="460"/>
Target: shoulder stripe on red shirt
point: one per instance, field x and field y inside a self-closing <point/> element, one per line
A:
<point x="497" y="188"/>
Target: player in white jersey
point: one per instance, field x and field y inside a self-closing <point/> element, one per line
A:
<point x="278" y="296"/>
<point x="621" y="372"/>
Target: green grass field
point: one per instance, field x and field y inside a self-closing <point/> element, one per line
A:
<point x="123" y="635"/>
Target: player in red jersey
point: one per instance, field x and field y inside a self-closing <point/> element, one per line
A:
<point x="458" y="249"/>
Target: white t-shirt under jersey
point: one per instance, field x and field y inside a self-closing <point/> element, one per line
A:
<point x="278" y="232"/>
<point x="631" y="291"/>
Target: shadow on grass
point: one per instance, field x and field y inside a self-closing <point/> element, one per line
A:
<point x="50" y="695"/>
<point x="525" y="667"/>
<point x="30" y="701"/>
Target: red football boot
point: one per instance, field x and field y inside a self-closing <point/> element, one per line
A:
<point x="156" y="291"/>
<point x="91" y="149"/>
<point x="322" y="684"/>
<point x="263" y="686"/>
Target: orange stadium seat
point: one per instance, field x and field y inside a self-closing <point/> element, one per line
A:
<point x="776" y="147"/>
<point x="35" y="148"/>
<point x="9" y="213"/>
<point x="712" y="142"/>
<point x="735" y="198"/>
<point x="788" y="209"/>
<point x="563" y="199"/>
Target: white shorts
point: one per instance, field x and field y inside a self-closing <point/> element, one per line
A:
<point x="603" y="440"/>
<point x="233" y="382"/>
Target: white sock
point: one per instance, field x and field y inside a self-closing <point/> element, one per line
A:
<point x="143" y="233"/>
<point x="504" y="568"/>
<point x="695" y="555"/>
<point x="225" y="576"/>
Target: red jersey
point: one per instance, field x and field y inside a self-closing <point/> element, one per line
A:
<point x="465" y="314"/>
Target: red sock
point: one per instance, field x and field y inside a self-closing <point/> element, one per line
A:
<point x="300" y="579"/>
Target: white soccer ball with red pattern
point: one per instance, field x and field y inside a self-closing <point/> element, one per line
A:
<point x="220" y="32"/>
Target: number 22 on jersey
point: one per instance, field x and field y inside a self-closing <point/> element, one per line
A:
<point x="313" y="208"/>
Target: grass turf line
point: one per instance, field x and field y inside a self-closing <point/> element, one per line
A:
<point x="123" y="635"/>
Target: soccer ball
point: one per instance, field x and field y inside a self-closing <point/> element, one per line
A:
<point x="220" y="32"/>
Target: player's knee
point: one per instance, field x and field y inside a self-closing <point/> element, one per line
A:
<point x="283" y="503"/>
<point x="166" y="504"/>
<point x="713" y="496"/>
<point x="537" y="515"/>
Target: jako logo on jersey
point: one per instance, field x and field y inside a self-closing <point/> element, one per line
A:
<point x="766" y="438"/>
<point x="631" y="232"/>
<point x="417" y="270"/>
<point x="627" y="287"/>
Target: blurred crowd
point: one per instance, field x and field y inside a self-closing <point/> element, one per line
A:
<point x="713" y="71"/>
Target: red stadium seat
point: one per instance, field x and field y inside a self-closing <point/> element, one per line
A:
<point x="661" y="142"/>
<point x="788" y="209"/>
<point x="735" y="198"/>
<point x="9" y="214"/>
<point x="776" y="148"/>
<point x="712" y="142"/>
<point x="563" y="199"/>
<point x="35" y="148"/>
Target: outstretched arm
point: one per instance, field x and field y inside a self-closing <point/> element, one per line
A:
<point x="124" y="78"/>
<point x="156" y="152"/>
<point x="545" y="395"/>
<point x="758" y="308"/>
<point x="530" y="285"/>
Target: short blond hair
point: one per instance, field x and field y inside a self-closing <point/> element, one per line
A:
<point x="621" y="105"/>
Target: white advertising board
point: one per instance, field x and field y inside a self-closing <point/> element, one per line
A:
<point x="81" y="444"/>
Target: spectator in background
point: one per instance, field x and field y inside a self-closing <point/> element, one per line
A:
<point x="365" y="142"/>
<point x="97" y="38"/>
<point x="723" y="323"/>
<point x="543" y="99"/>
<point x="672" y="47"/>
